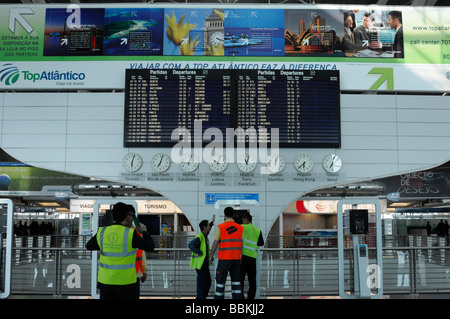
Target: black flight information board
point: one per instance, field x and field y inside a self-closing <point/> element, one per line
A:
<point x="303" y="105"/>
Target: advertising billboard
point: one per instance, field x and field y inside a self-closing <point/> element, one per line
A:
<point x="90" y="46"/>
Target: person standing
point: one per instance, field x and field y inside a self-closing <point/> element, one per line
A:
<point x="362" y="32"/>
<point x="395" y="22"/>
<point x="349" y="38"/>
<point x="141" y="259"/>
<point x="441" y="228"/>
<point x="200" y="258"/>
<point x="252" y="238"/>
<point x="228" y="239"/>
<point x="117" y="245"/>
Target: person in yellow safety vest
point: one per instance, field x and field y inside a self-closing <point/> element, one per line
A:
<point x="200" y="258"/>
<point x="117" y="245"/>
<point x="252" y="238"/>
<point x="141" y="259"/>
<point x="228" y="239"/>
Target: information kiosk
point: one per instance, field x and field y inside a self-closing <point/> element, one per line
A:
<point x="360" y="248"/>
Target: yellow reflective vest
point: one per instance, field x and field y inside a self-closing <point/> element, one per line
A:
<point x="117" y="256"/>
<point x="197" y="260"/>
<point x="250" y="240"/>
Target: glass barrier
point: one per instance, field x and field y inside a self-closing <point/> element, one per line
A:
<point x="6" y="235"/>
<point x="38" y="268"/>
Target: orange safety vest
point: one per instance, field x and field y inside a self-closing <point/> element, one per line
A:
<point x="230" y="245"/>
<point x="139" y="265"/>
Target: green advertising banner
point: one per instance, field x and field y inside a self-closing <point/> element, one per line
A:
<point x="22" y="33"/>
<point x="17" y="179"/>
<point x="37" y="41"/>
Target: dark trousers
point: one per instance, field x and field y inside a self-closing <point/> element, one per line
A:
<point x="248" y="267"/>
<point x="117" y="291"/>
<point x="223" y="268"/>
<point x="203" y="281"/>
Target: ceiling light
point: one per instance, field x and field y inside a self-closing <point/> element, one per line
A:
<point x="49" y="204"/>
<point x="399" y="204"/>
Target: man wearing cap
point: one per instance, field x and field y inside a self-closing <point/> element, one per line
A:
<point x="117" y="245"/>
<point x="200" y="258"/>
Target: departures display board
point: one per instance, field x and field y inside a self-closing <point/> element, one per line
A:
<point x="303" y="105"/>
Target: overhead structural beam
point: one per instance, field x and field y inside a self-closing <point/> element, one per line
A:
<point x="417" y="3"/>
<point x="33" y="1"/>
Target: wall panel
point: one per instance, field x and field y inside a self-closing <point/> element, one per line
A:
<point x="82" y="133"/>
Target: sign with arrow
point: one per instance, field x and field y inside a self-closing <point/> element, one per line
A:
<point x="15" y="15"/>
<point x="387" y="75"/>
<point x="21" y="31"/>
<point x="37" y="36"/>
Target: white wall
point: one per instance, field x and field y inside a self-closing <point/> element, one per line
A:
<point x="81" y="133"/>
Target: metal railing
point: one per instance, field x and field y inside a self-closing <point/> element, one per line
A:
<point x="287" y="272"/>
<point x="61" y="266"/>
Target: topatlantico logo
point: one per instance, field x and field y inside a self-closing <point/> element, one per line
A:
<point x="9" y="74"/>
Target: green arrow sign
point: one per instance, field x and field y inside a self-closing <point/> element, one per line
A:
<point x="386" y="74"/>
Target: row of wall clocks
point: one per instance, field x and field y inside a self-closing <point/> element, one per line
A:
<point x="303" y="163"/>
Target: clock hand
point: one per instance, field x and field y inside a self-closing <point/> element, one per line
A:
<point x="332" y="161"/>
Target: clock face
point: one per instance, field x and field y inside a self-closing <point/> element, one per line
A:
<point x="216" y="38"/>
<point x="132" y="162"/>
<point x="303" y="163"/>
<point x="218" y="163"/>
<point x="161" y="162"/>
<point x="332" y="163"/>
<point x="246" y="163"/>
<point x="276" y="164"/>
<point x="189" y="163"/>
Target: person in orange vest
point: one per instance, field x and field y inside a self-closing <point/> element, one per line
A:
<point x="228" y="240"/>
<point x="141" y="260"/>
